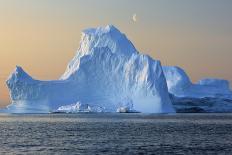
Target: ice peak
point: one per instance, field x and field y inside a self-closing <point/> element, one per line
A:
<point x="101" y="37"/>
<point x="108" y="36"/>
<point x="111" y="27"/>
<point x="18" y="74"/>
<point x="102" y="30"/>
<point x="19" y="69"/>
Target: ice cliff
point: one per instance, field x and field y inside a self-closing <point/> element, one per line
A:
<point x="107" y="73"/>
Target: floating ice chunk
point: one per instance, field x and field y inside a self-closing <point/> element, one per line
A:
<point x="75" y="108"/>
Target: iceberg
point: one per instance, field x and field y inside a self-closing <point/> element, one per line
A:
<point x="207" y="95"/>
<point x="107" y="73"/>
<point x="180" y="85"/>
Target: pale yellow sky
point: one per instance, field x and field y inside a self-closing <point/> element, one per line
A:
<point x="42" y="36"/>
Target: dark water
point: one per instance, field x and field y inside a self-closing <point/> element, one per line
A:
<point x="116" y="134"/>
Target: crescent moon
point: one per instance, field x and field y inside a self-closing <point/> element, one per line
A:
<point x="134" y="18"/>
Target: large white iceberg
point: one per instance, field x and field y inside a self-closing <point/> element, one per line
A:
<point x="107" y="72"/>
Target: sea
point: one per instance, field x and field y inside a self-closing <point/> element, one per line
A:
<point x="116" y="134"/>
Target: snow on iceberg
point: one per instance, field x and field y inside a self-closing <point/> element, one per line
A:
<point x="107" y="72"/>
<point x="180" y="85"/>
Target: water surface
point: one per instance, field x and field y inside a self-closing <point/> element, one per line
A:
<point x="116" y="134"/>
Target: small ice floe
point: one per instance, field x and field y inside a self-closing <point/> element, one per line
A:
<point x="126" y="107"/>
<point x="123" y="109"/>
<point x="79" y="108"/>
<point x="74" y="108"/>
<point x="126" y="110"/>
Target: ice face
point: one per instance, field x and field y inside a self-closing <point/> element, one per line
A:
<point x="107" y="71"/>
<point x="177" y="80"/>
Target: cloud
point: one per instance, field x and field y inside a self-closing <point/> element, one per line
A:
<point x="134" y="17"/>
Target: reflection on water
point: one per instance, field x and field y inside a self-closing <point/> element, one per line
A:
<point x="116" y="134"/>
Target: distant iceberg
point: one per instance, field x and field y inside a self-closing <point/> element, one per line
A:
<point x="207" y="95"/>
<point x="180" y="85"/>
<point x="107" y="72"/>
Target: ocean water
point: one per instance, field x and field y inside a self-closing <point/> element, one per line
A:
<point x="116" y="134"/>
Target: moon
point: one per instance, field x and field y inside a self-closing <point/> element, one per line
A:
<point x="134" y="17"/>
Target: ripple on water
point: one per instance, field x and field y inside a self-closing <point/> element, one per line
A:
<point x="116" y="134"/>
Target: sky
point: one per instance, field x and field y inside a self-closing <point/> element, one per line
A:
<point x="42" y="36"/>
